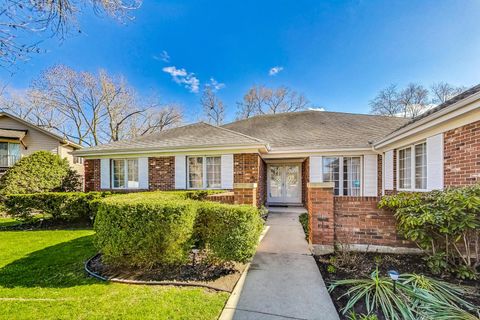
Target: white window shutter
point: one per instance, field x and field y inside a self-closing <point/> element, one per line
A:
<point x="370" y="175"/>
<point x="180" y="172"/>
<point x="143" y="173"/>
<point x="227" y="171"/>
<point x="388" y="174"/>
<point x="105" y="173"/>
<point x="435" y="162"/>
<point x="316" y="167"/>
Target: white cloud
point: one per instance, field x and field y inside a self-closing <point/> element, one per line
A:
<point x="163" y="56"/>
<point x="215" y="85"/>
<point x="317" y="109"/>
<point x="275" y="70"/>
<point x="181" y="76"/>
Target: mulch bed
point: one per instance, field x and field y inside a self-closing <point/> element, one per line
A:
<point x="221" y="277"/>
<point x="361" y="265"/>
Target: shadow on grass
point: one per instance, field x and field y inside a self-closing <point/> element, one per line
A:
<point x="58" y="266"/>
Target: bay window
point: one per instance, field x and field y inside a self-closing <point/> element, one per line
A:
<point x="204" y="172"/>
<point x="125" y="173"/>
<point x="345" y="172"/>
<point x="412" y="167"/>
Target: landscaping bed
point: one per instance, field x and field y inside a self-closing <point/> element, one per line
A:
<point x="360" y="265"/>
<point x="202" y="273"/>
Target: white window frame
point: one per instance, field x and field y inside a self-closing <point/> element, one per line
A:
<point x="204" y="172"/>
<point x="125" y="169"/>
<point x="341" y="174"/>
<point x="412" y="168"/>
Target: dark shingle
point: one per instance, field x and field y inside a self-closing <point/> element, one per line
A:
<point x="317" y="129"/>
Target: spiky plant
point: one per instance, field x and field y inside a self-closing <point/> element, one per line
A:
<point x="377" y="293"/>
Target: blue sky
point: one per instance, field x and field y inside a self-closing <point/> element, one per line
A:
<point x="338" y="53"/>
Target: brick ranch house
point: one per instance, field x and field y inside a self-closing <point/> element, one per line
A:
<point x="337" y="165"/>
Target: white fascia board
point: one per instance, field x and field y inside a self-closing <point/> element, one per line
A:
<point x="277" y="154"/>
<point x="170" y="152"/>
<point x="457" y="109"/>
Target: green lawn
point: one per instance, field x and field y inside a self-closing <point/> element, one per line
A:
<point x="42" y="277"/>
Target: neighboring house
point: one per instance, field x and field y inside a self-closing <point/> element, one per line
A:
<point x="20" y="138"/>
<point x="335" y="164"/>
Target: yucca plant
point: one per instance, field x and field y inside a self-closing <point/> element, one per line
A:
<point x="377" y="293"/>
<point x="429" y="306"/>
<point x="441" y="290"/>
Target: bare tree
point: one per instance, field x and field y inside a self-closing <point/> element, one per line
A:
<point x="443" y="91"/>
<point x="213" y="108"/>
<point x="386" y="102"/>
<point x="413" y="100"/>
<point x="20" y="19"/>
<point x="90" y="109"/>
<point x="263" y="100"/>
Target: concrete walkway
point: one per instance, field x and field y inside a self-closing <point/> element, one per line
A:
<point x="283" y="281"/>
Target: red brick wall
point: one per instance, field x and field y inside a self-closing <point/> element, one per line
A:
<point x="321" y="217"/>
<point x="92" y="174"/>
<point x="262" y="182"/>
<point x="379" y="176"/>
<point x="245" y="196"/>
<point x="358" y="220"/>
<point x="305" y="179"/>
<point x="250" y="168"/>
<point x="462" y="155"/>
<point x="227" y="197"/>
<point x="161" y="173"/>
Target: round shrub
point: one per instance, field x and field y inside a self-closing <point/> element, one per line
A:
<point x="41" y="171"/>
<point x="230" y="232"/>
<point x="144" y="231"/>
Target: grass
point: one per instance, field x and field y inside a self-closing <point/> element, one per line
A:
<point x="42" y="277"/>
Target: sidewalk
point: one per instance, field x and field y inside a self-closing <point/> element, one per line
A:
<point x="283" y="281"/>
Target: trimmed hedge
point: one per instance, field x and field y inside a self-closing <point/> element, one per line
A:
<point x="41" y="171"/>
<point x="154" y="228"/>
<point x="144" y="232"/>
<point x="67" y="206"/>
<point x="229" y="232"/>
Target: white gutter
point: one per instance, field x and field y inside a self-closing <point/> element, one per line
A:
<point x="86" y="152"/>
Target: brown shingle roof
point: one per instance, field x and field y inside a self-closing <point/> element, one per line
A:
<point x="194" y="135"/>
<point x="317" y="129"/>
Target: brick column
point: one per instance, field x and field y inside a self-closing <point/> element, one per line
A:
<point x="321" y="216"/>
<point x="92" y="175"/>
<point x="245" y="193"/>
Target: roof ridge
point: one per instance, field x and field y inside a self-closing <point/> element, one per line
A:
<point x="313" y="111"/>
<point x="235" y="132"/>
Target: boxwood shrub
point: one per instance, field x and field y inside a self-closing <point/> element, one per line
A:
<point x="230" y="232"/>
<point x="160" y="228"/>
<point x="67" y="206"/>
<point x="136" y="232"/>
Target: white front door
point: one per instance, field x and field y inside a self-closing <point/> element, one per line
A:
<point x="284" y="183"/>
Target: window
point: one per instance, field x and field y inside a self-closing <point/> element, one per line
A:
<point x="405" y="168"/>
<point x="412" y="167"/>
<point x="9" y="153"/>
<point x="421" y="166"/>
<point x="345" y="172"/>
<point x="351" y="176"/>
<point x="204" y="172"/>
<point x="331" y="172"/>
<point x="125" y="173"/>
